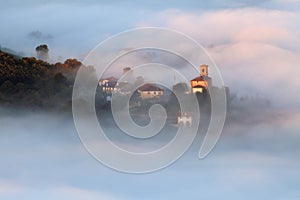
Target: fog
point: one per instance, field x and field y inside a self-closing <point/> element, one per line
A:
<point x="256" y="158"/>
<point x="255" y="44"/>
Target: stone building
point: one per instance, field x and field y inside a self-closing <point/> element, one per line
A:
<point x="201" y="83"/>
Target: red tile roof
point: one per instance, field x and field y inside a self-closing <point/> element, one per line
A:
<point x="109" y="79"/>
<point x="149" y="87"/>
<point x="199" y="78"/>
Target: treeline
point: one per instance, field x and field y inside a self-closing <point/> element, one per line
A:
<point x="28" y="82"/>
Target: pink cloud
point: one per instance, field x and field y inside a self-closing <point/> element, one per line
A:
<point x="9" y="188"/>
<point x="253" y="47"/>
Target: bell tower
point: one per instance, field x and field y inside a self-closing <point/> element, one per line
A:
<point x="204" y="70"/>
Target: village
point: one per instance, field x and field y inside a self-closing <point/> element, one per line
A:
<point x="149" y="94"/>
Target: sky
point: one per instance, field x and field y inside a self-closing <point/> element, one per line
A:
<point x="255" y="44"/>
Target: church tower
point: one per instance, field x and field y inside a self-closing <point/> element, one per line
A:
<point x="204" y="70"/>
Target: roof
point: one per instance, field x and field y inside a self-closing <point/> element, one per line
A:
<point x="149" y="87"/>
<point x="198" y="86"/>
<point x="111" y="84"/>
<point x="111" y="78"/>
<point x="201" y="78"/>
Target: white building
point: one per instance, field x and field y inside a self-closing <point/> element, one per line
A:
<point x="150" y="91"/>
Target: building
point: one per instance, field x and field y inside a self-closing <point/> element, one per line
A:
<point x="184" y="119"/>
<point x="109" y="85"/>
<point x="202" y="82"/>
<point x="150" y="91"/>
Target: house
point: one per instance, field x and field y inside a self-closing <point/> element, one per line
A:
<point x="109" y="85"/>
<point x="202" y="82"/>
<point x="150" y="91"/>
<point x="184" y="119"/>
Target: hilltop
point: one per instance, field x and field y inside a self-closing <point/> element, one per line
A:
<point x="31" y="83"/>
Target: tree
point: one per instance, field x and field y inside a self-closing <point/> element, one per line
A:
<point x="7" y="87"/>
<point x="59" y="78"/>
<point x="42" y="52"/>
<point x="139" y="81"/>
<point x="180" y="88"/>
<point x="72" y="63"/>
<point x="126" y="69"/>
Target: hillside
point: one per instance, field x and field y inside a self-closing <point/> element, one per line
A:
<point x="35" y="84"/>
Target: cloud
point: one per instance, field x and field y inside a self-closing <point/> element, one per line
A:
<point x="68" y="192"/>
<point x="287" y="1"/>
<point x="10" y="188"/>
<point x="216" y="27"/>
<point x="256" y="49"/>
<point x="44" y="159"/>
<point x="74" y="28"/>
<point x="38" y="35"/>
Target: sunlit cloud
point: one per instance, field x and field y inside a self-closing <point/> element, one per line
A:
<point x="254" y="47"/>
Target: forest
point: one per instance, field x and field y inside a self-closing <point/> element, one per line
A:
<point x="35" y="84"/>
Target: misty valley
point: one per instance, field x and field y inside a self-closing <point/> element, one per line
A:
<point x="41" y="152"/>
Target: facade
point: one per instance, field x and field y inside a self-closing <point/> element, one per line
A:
<point x="202" y="82"/>
<point x="184" y="119"/>
<point x="109" y="85"/>
<point x="150" y="91"/>
<point x="198" y="84"/>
